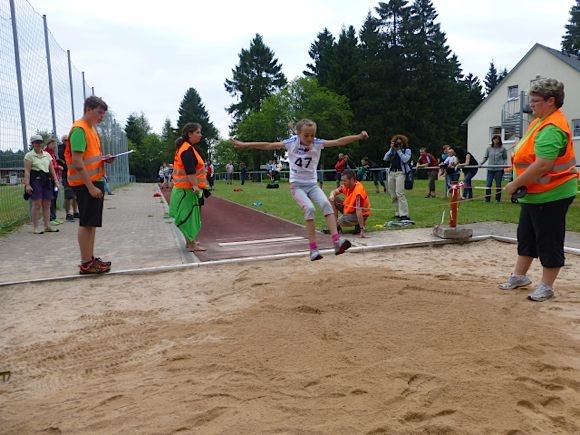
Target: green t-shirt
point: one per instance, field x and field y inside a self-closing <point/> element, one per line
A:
<point x="550" y="143"/>
<point x="78" y="141"/>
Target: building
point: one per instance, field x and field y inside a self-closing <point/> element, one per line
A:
<point x="506" y="111"/>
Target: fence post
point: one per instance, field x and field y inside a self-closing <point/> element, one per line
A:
<point x="49" y="67"/>
<point x="70" y="80"/>
<point x="19" y="77"/>
<point x="84" y="87"/>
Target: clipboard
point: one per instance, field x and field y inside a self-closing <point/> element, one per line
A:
<point x="117" y="155"/>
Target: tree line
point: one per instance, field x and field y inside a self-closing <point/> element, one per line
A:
<point x="396" y="74"/>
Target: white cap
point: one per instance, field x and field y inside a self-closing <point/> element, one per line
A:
<point x="36" y="138"/>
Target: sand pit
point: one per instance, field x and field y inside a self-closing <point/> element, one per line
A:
<point x="401" y="341"/>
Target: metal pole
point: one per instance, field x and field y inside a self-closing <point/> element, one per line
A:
<point x="70" y="80"/>
<point x="84" y="87"/>
<point x="50" y="87"/>
<point x="93" y="91"/>
<point x="18" y="77"/>
<point x="521" y="120"/>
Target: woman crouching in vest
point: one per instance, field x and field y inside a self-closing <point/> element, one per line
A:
<point x="545" y="165"/>
<point x="189" y="180"/>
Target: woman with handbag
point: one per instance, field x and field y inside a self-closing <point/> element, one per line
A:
<point x="398" y="157"/>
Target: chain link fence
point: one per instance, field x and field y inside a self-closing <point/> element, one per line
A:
<point x="41" y="92"/>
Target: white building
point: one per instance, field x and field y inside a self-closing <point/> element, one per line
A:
<point x="506" y="111"/>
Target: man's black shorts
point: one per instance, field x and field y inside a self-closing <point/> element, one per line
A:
<point x="90" y="209"/>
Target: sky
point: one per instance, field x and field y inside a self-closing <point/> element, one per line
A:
<point x="141" y="56"/>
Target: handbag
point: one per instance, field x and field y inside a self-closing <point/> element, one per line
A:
<point x="26" y="196"/>
<point x="409" y="179"/>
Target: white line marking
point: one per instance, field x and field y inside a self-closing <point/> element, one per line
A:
<point x="262" y="241"/>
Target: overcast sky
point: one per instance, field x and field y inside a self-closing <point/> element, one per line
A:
<point x="143" y="55"/>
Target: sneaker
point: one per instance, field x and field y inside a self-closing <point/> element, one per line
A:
<point x="315" y="255"/>
<point x="404" y="218"/>
<point x="102" y="263"/>
<point x="76" y="215"/>
<point x="51" y="230"/>
<point x="515" y="281"/>
<point x="92" y="267"/>
<point x="69" y="218"/>
<point x="55" y="222"/>
<point x="542" y="293"/>
<point x="341" y="246"/>
<point x="356" y="229"/>
<point x="38" y="232"/>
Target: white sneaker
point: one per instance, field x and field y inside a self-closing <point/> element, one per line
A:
<point x="315" y="255"/>
<point x="542" y="293"/>
<point x="515" y="281"/>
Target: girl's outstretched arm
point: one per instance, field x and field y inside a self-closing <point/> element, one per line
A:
<point x="257" y="145"/>
<point x="345" y="140"/>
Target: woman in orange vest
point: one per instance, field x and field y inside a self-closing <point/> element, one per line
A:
<point x="544" y="167"/>
<point x="189" y="180"/>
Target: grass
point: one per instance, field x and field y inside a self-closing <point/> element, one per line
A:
<point x="13" y="209"/>
<point x="426" y="212"/>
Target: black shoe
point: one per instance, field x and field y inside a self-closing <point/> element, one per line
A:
<point x="76" y="216"/>
<point x="69" y="217"/>
<point x="356" y="229"/>
<point x="404" y="218"/>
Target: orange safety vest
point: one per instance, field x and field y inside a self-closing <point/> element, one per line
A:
<point x="180" y="178"/>
<point x="92" y="157"/>
<point x="564" y="168"/>
<point x="349" y="202"/>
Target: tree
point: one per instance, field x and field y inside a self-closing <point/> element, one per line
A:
<point x="322" y="53"/>
<point x="257" y="76"/>
<point x="571" y="40"/>
<point x="168" y="137"/>
<point x="502" y="75"/>
<point x="491" y="78"/>
<point x="192" y="109"/>
<point x="137" y="128"/>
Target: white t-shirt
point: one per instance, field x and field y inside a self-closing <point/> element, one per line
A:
<point x="303" y="163"/>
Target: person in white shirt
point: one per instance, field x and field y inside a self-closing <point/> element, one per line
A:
<point x="303" y="154"/>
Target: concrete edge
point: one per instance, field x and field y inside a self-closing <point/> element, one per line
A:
<point x="567" y="250"/>
<point x="176" y="267"/>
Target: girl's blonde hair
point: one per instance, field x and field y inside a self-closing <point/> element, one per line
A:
<point x="304" y="123"/>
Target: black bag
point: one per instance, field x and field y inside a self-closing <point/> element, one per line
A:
<point x="409" y="179"/>
<point x="272" y="186"/>
<point x="26" y="195"/>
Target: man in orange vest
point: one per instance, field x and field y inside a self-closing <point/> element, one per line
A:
<point x="86" y="169"/>
<point x="544" y="167"/>
<point x="356" y="206"/>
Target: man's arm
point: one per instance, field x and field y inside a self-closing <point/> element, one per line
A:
<point x="359" y="216"/>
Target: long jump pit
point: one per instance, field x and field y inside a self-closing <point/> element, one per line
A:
<point x="398" y="341"/>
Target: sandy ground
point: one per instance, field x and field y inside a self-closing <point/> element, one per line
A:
<point x="401" y="341"/>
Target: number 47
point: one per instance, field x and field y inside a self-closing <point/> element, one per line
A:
<point x="298" y="161"/>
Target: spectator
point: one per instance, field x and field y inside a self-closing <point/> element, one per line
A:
<point x="86" y="169"/>
<point x="340" y="166"/>
<point x="545" y="164"/>
<point x="355" y="207"/>
<point x="449" y="168"/>
<point x="496" y="156"/>
<point x="428" y="161"/>
<point x="210" y="173"/>
<point x="38" y="171"/>
<point x="243" y="173"/>
<point x="361" y="171"/>
<point x="229" y="173"/>
<point x="378" y="174"/>
<point x="465" y="158"/>
<point x="398" y="157"/>
<point x="51" y="148"/>
<point x="70" y="201"/>
<point x="442" y="158"/>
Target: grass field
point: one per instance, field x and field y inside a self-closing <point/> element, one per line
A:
<point x="426" y="212"/>
<point x="13" y="209"/>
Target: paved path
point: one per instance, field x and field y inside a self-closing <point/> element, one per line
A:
<point x="137" y="234"/>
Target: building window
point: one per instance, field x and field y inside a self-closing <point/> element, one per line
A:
<point x="576" y="128"/>
<point x="513" y="92"/>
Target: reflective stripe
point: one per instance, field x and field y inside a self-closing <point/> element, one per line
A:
<point x="95" y="171"/>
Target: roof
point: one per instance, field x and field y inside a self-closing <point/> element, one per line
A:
<point x="569" y="59"/>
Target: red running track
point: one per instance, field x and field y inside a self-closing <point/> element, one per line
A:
<point x="229" y="230"/>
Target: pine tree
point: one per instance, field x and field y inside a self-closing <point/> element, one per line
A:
<point x="137" y="128"/>
<point x="322" y="53"/>
<point x="256" y="76"/>
<point x="502" y="75"/>
<point x="491" y="78"/>
<point x="192" y="109"/>
<point x="571" y="40"/>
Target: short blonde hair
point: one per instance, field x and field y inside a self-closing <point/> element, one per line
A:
<point x="547" y="88"/>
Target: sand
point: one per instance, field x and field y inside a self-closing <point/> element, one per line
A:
<point x="400" y="341"/>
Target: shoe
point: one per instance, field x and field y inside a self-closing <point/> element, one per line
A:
<point x="341" y="246"/>
<point x="315" y="255"/>
<point x="102" y="263"/>
<point x="428" y="195"/>
<point x="542" y="293"/>
<point x="38" y="232"/>
<point x="51" y="230"/>
<point x="515" y="281"/>
<point x="69" y="218"/>
<point x="111" y="193"/>
<point x="356" y="229"/>
<point x="404" y="218"/>
<point x="76" y="215"/>
<point x="55" y="222"/>
<point x="92" y="267"/>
